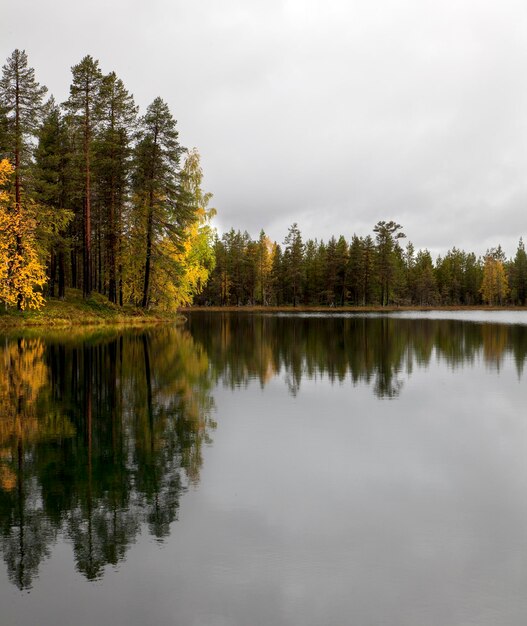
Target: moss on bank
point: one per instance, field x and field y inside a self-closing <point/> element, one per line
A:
<point x="74" y="310"/>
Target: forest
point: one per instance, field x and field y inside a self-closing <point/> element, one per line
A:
<point x="96" y="197"/>
<point x="372" y="270"/>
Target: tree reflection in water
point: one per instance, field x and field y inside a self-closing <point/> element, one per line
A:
<point x="97" y="437"/>
<point x="373" y="350"/>
<point x="101" y="434"/>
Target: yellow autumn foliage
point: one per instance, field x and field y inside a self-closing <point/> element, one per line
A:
<point x="188" y="261"/>
<point x="179" y="287"/>
<point x="24" y="383"/>
<point x="495" y="286"/>
<point x="21" y="273"/>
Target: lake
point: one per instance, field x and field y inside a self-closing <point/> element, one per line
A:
<point x="249" y="470"/>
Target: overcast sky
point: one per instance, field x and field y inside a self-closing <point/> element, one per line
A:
<point x="334" y="114"/>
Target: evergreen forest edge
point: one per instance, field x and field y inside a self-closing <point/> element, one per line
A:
<point x="95" y="197"/>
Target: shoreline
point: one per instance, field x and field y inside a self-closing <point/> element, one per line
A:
<point x="75" y="311"/>
<point x="343" y="309"/>
<point x="97" y="312"/>
<point x="11" y="322"/>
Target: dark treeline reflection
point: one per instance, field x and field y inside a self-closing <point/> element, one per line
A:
<point x="98" y="437"/>
<point x="372" y="350"/>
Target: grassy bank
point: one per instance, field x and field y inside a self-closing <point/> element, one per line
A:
<point x="97" y="310"/>
<point x="74" y="310"/>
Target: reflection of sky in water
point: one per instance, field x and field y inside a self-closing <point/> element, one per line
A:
<point x="329" y="507"/>
<point x="407" y="512"/>
<point x="481" y="316"/>
<point x="497" y="317"/>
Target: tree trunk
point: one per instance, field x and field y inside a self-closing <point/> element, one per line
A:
<point x="149" y="226"/>
<point x="52" y="272"/>
<point x="17" y="173"/>
<point x="74" y="269"/>
<point x="112" y="239"/>
<point x="87" y="274"/>
<point x="62" y="281"/>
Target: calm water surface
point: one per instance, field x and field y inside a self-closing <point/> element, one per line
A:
<point x="267" y="470"/>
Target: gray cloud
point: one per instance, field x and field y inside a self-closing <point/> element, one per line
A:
<point x="334" y="115"/>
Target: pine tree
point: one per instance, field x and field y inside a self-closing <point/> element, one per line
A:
<point x="424" y="279"/>
<point x="409" y="272"/>
<point x="264" y="252"/>
<point x="156" y="181"/>
<point x="312" y="272"/>
<point x="277" y="274"/>
<point x="84" y="112"/>
<point x="50" y="182"/>
<point x="354" y="270"/>
<point x="341" y="256"/>
<point x="519" y="274"/>
<point x="4" y="123"/>
<point x="21" y="103"/>
<point x="472" y="277"/>
<point x="387" y="235"/>
<point x="293" y="262"/>
<point x="449" y="273"/>
<point x="367" y="270"/>
<point x="112" y="166"/>
<point x="330" y="272"/>
<point x="21" y="107"/>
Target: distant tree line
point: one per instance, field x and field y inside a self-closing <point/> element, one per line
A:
<point x="371" y="270"/>
<point x="94" y="195"/>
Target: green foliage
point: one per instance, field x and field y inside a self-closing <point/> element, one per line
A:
<point x="112" y="167"/>
<point x="388" y="254"/>
<point x="363" y="272"/>
<point x="50" y="174"/>
<point x="21" y="99"/>
<point x="83" y="107"/>
<point x="293" y="264"/>
<point x="119" y="214"/>
<point x="156" y="180"/>
<point x="519" y="275"/>
<point x="116" y="212"/>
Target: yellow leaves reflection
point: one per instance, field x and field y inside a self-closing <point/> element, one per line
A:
<point x="25" y="415"/>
